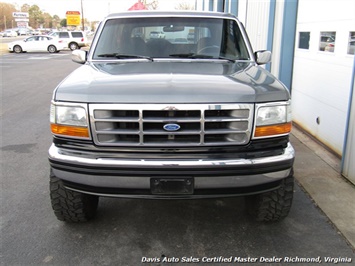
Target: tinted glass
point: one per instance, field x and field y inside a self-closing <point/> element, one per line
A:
<point x="77" y="34"/>
<point x="304" y="40"/>
<point x="172" y="38"/>
<point x="63" y="35"/>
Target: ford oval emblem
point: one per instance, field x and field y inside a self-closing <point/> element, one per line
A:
<point x="171" y="127"/>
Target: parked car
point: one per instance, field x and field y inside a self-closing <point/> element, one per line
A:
<point x="158" y="120"/>
<point x="74" y="39"/>
<point x="35" y="32"/>
<point x="37" y="43"/>
<point x="329" y="47"/>
<point x="23" y="31"/>
<point x="156" y="34"/>
<point x="10" y="33"/>
<point x="325" y="40"/>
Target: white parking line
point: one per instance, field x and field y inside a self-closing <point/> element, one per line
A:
<point x="13" y="58"/>
<point x="38" y="58"/>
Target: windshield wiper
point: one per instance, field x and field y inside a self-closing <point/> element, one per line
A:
<point x="191" y="55"/>
<point x="201" y="56"/>
<point x="125" y="56"/>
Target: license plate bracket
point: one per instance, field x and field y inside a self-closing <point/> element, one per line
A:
<point x="172" y="186"/>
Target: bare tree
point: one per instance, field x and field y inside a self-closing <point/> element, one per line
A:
<point x="151" y="4"/>
<point x="6" y="19"/>
<point x="184" y="6"/>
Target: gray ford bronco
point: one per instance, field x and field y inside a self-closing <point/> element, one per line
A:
<point x="188" y="115"/>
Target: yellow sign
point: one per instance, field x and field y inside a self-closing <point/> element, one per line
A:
<point x="73" y="18"/>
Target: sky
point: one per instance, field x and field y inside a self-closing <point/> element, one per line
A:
<point x="93" y="9"/>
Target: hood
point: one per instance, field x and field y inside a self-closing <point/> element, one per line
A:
<point x="171" y="82"/>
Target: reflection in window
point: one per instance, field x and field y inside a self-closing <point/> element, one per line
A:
<point x="351" y="43"/>
<point x="327" y="41"/>
<point x="303" y="42"/>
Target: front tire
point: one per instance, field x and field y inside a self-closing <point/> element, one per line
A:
<point x="17" y="49"/>
<point x="272" y="206"/>
<point x="71" y="206"/>
<point x="52" y="49"/>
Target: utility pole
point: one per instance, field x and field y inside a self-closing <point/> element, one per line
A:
<point x="82" y="16"/>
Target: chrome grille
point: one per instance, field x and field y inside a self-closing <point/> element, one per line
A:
<point x="198" y="124"/>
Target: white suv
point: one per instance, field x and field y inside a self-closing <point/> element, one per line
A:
<point x="74" y="39"/>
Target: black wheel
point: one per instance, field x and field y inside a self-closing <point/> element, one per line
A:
<point x="17" y="49"/>
<point x="52" y="49"/>
<point x="274" y="205"/>
<point x="73" y="46"/>
<point x="71" y="206"/>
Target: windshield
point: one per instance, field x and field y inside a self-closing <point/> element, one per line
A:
<point x="171" y="37"/>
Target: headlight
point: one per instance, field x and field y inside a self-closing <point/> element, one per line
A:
<point x="272" y="119"/>
<point x="69" y="120"/>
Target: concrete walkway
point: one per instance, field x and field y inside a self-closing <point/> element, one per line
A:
<point x="318" y="171"/>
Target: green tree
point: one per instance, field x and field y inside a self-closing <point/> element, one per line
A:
<point x="63" y="22"/>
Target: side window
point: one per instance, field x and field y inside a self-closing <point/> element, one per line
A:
<point x="77" y="34"/>
<point x="351" y="42"/>
<point x="303" y="40"/>
<point x="63" y="35"/>
<point x="327" y="41"/>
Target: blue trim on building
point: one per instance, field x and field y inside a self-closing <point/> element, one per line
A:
<point x="226" y="6"/>
<point x="210" y="5"/>
<point x="352" y="86"/>
<point x="234" y="7"/>
<point x="271" y="26"/>
<point x="288" y="42"/>
<point x="220" y="6"/>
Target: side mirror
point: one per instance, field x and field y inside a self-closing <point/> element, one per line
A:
<point x="263" y="57"/>
<point x="79" y="56"/>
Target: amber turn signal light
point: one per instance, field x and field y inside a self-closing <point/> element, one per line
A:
<point x="70" y="131"/>
<point x="272" y="130"/>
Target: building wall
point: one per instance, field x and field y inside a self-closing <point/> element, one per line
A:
<point x="320" y="76"/>
<point x="255" y="20"/>
<point x="322" y="79"/>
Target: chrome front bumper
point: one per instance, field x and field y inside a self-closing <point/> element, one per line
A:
<point x="89" y="170"/>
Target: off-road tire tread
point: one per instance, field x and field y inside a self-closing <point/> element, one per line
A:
<point x="272" y="206"/>
<point x="71" y="206"/>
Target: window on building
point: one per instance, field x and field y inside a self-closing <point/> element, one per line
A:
<point x="303" y="41"/>
<point x="327" y="41"/>
<point x="351" y="42"/>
